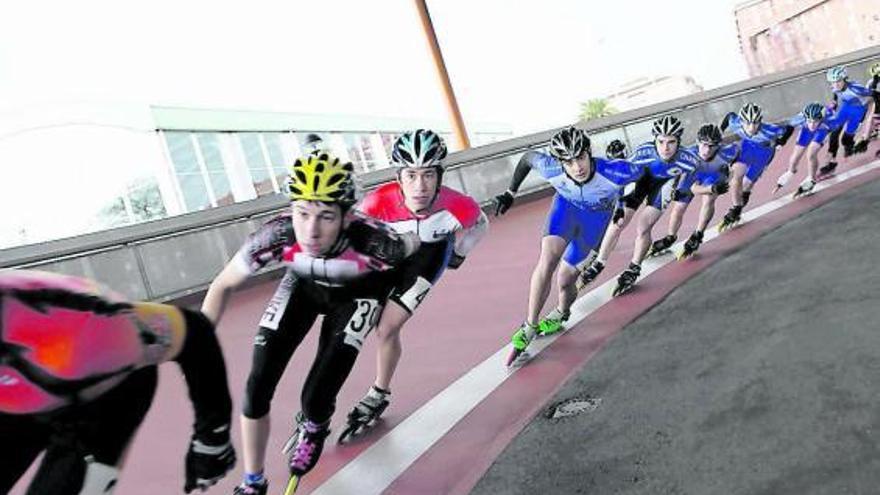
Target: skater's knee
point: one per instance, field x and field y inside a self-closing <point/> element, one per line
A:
<point x="546" y="264"/>
<point x="567" y="276"/>
<point x="645" y="226"/>
<point x="257" y="398"/>
<point x="388" y="335"/>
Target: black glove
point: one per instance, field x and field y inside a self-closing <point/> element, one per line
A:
<point x="619" y="213"/>
<point x="503" y="202"/>
<point x="720" y="187"/>
<point x="455" y="261"/>
<point x="209" y="458"/>
<point x="374" y="238"/>
<point x="679" y="195"/>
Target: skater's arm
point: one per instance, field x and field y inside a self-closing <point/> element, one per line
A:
<point x="376" y="240"/>
<point x="468" y="238"/>
<point x="523" y="167"/>
<point x="701" y="189"/>
<point x="787" y="131"/>
<point x="866" y="132"/>
<point x="201" y="362"/>
<point x="262" y="248"/>
<point x="795" y="158"/>
<point x="504" y="201"/>
<point x="813" y="156"/>
<point x="221" y="288"/>
<point x="210" y="453"/>
<point x="725" y="122"/>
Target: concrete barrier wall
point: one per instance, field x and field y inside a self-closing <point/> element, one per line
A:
<point x="175" y="257"/>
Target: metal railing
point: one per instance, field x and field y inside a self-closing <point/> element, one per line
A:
<point x="177" y="256"/>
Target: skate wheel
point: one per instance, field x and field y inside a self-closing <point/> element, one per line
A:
<point x="511" y="358"/>
<point x="347" y="434"/>
<point x="292" y="485"/>
<point x="517" y="358"/>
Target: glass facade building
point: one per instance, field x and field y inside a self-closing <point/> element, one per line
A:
<point x="141" y="164"/>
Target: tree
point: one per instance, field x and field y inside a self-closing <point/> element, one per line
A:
<point x="146" y="204"/>
<point x="596" y="108"/>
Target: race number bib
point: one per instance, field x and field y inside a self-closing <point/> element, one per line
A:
<point x="363" y="319"/>
<point x="416" y="294"/>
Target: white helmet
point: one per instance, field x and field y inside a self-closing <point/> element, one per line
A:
<point x="835" y="74"/>
<point x="751" y="113"/>
<point x="667" y="125"/>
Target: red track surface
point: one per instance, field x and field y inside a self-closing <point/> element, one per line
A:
<point x="467" y="318"/>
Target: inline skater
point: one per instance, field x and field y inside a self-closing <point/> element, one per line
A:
<point x="448" y="223"/>
<point x="587" y="190"/>
<point x="339" y="265"/>
<point x="78" y="372"/>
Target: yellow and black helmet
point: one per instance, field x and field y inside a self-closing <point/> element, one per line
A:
<point x="322" y="177"/>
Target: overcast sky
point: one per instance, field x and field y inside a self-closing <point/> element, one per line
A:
<point x="527" y="64"/>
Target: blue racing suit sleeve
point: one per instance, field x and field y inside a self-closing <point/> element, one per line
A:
<point x="544" y="164"/>
<point x="729" y="153"/>
<point x="621" y="172"/>
<point x="643" y="155"/>
<point x="786" y="131"/>
<point x="860" y="90"/>
<point x="820" y="134"/>
<point x="797" y="120"/>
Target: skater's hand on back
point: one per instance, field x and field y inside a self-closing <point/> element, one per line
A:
<point x="209" y="458"/>
<point x="503" y="202"/>
<point x="455" y="261"/>
<point x="720" y="187"/>
<point x="619" y="213"/>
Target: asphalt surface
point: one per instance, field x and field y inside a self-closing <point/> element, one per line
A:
<point x="757" y="376"/>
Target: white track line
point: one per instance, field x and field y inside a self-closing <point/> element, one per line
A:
<point x="377" y="467"/>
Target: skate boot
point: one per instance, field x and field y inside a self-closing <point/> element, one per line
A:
<point x="246" y="489"/>
<point x="827" y="169"/>
<point x="662" y="246"/>
<point x="552" y="323"/>
<point x="308" y="448"/>
<point x="805" y="189"/>
<point x="782" y="181"/>
<point x="731" y="218"/>
<point x="298" y="419"/>
<point x="627" y="280"/>
<point x="366" y="413"/>
<point x="590" y="274"/>
<point x="691" y="245"/>
<point x="520" y="341"/>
